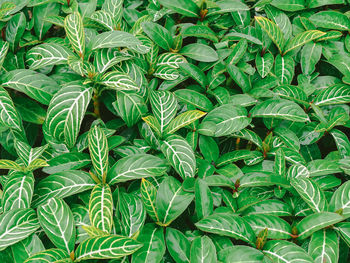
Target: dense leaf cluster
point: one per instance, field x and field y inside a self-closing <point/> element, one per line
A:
<point x="174" y="131"/>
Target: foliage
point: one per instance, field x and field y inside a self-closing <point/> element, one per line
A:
<point x="174" y="131"/>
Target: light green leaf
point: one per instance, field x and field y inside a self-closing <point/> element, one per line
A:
<point x="302" y="39"/>
<point x="242" y="254"/>
<point x="183" y="120"/>
<point x="160" y="35"/>
<point x="309" y="56"/>
<point x="148" y="197"/>
<point x="178" y="245"/>
<point x="10" y="165"/>
<point x="101" y="207"/>
<point x="289" y="5"/>
<point x="49" y="255"/>
<point x="284" y="68"/>
<point x="57" y="220"/>
<point x="73" y="25"/>
<point x="273" y="31"/>
<point x="98" y="147"/>
<point x="264" y="63"/>
<point x="106" y="248"/>
<point x="4" y="47"/>
<point x="194" y="98"/>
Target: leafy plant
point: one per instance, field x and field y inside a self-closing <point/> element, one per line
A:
<point x="174" y="131"/>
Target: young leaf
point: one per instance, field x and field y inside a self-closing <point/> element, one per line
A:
<point x="73" y="25"/>
<point x="98" y="147"/>
<point x="273" y="31"/>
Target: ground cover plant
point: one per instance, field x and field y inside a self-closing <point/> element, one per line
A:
<point x="174" y="131"/>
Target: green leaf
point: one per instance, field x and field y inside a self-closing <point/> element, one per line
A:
<point x="194" y="98"/>
<point x="309" y="56"/>
<point x="239" y="253"/>
<point x="178" y="245"/>
<point x="238" y="52"/>
<point x="98" y="147"/>
<point x="113" y="39"/>
<point x="66" y="162"/>
<point x="195" y="73"/>
<point x="324" y="246"/>
<point x="9" y="116"/>
<point x="342" y="142"/>
<point x="286" y="252"/>
<point x="199" y="31"/>
<point x="340" y="200"/>
<point x="302" y="39"/>
<point x="15" y="29"/>
<point x="185" y="7"/>
<point x="184" y="119"/>
<point x="36" y="85"/>
<point x="227" y="224"/>
<point x="172" y="200"/>
<point x="180" y="155"/>
<point x="314" y="222"/>
<point x="27" y="153"/>
<point x="57" y="220"/>
<point x="132" y="213"/>
<point x="203" y="250"/>
<point x="49" y="255"/>
<point x="322" y="167"/>
<point x="40" y="13"/>
<point x="284" y="68"/>
<point x="280" y="109"/>
<point x="335" y="94"/>
<point x="239" y="77"/>
<point x="119" y="81"/>
<point x="160" y="35"/>
<point x="66" y="112"/>
<point x="272" y="30"/>
<point x="106" y="58"/>
<point x="226" y="6"/>
<point x="136" y="166"/>
<point x="148" y="197"/>
<point x="264" y="63"/>
<point x="18" y="191"/>
<point x="130" y="106"/>
<point x="16" y="225"/>
<point x="310" y="191"/>
<point x="106" y="248"/>
<point x="47" y="54"/>
<point x="289" y="5"/>
<point x="199" y="52"/>
<point x="61" y="185"/>
<point x="203" y="199"/>
<point x="331" y="20"/>
<point x="276" y="227"/>
<point x="4" y="46"/>
<point x="226" y="119"/>
<point x="73" y="25"/>
<point x="101" y="207"/>
<point x="153" y="248"/>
